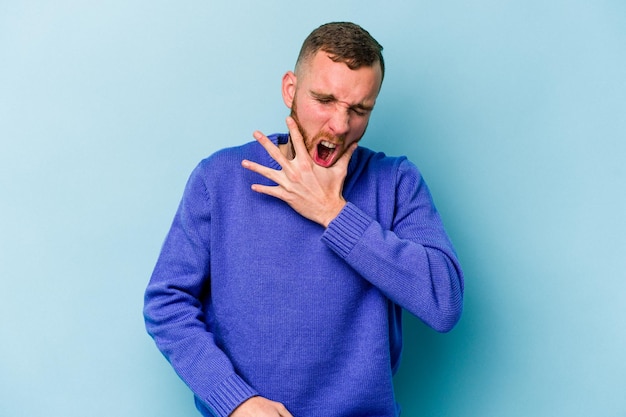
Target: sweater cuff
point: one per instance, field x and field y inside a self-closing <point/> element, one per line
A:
<point x="229" y="395"/>
<point x="346" y="229"/>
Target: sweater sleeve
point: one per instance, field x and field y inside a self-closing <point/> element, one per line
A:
<point x="414" y="263"/>
<point x="173" y="310"/>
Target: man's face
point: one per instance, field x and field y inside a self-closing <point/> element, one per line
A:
<point x="331" y="104"/>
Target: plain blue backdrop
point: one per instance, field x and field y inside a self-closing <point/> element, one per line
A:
<point x="514" y="111"/>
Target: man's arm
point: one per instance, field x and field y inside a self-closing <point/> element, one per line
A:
<point x="413" y="263"/>
<point x="173" y="311"/>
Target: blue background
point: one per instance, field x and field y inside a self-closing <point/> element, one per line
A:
<point x="513" y="110"/>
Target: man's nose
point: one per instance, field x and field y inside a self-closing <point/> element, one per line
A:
<point x="339" y="123"/>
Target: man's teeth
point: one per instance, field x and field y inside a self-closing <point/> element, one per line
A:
<point x="328" y="144"/>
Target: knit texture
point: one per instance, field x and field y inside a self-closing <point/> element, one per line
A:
<point x="250" y="298"/>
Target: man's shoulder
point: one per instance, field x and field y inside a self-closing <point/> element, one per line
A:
<point x="248" y="150"/>
<point x="377" y="160"/>
<point x="229" y="152"/>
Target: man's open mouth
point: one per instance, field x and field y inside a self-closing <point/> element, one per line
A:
<point x="325" y="150"/>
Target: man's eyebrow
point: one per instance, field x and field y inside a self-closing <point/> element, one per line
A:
<point x="322" y="96"/>
<point x="362" y="106"/>
<point x="330" y="97"/>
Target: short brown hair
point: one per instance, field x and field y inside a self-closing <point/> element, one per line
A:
<point x="344" y="42"/>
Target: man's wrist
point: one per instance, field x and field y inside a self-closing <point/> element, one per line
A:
<point x="332" y="215"/>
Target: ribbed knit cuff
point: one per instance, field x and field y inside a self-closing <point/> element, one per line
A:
<point x="229" y="395"/>
<point x="346" y="229"/>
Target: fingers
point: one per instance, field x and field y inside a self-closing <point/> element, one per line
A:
<point x="345" y="158"/>
<point x="270" y="190"/>
<point x="258" y="406"/>
<point x="270" y="148"/>
<point x="267" y="172"/>
<point x="296" y="137"/>
<point x="284" y="412"/>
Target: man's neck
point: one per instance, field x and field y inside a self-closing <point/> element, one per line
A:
<point x="287" y="149"/>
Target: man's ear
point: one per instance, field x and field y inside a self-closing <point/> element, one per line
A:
<point x="289" y="88"/>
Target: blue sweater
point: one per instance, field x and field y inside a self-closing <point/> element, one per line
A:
<point x="249" y="298"/>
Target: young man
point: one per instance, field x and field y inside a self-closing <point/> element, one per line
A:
<point x="280" y="285"/>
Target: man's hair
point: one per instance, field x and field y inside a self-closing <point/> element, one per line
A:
<point x="344" y="42"/>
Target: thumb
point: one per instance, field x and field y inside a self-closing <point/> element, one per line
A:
<point x="345" y="158"/>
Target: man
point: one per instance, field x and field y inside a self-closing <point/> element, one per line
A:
<point x="280" y="285"/>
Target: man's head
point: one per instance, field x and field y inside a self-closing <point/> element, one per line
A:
<point x="334" y="88"/>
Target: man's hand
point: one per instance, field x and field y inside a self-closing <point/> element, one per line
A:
<point x="313" y="191"/>
<point x="260" y="407"/>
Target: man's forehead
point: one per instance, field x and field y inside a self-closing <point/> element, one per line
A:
<point x="328" y="77"/>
